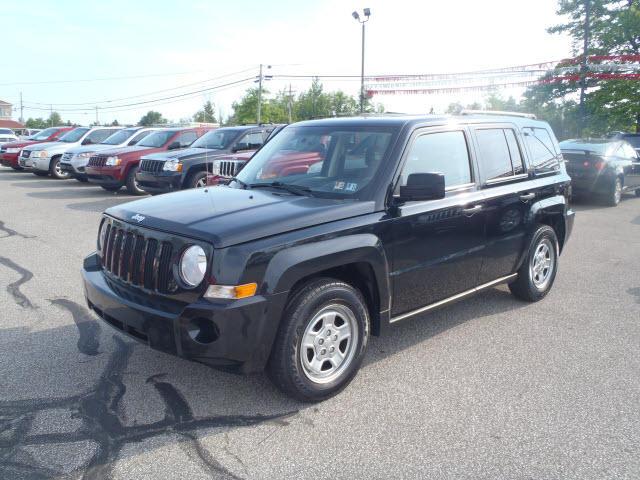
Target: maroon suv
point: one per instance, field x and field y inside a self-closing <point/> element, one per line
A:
<point x="114" y="169"/>
<point x="10" y="151"/>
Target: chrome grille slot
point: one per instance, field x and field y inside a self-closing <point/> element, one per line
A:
<point x="153" y="166"/>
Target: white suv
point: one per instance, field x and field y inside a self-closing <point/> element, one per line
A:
<point x="44" y="158"/>
<point x="7" y="136"/>
<point x="74" y="160"/>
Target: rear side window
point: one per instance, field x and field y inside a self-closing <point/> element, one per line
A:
<point x="500" y="155"/>
<point x="138" y="137"/>
<point x="440" y="152"/>
<point x="252" y="139"/>
<point x="544" y="157"/>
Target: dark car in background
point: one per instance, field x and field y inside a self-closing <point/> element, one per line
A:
<point x="116" y="168"/>
<point x="604" y="168"/>
<point x="170" y="171"/>
<point x="9" y="151"/>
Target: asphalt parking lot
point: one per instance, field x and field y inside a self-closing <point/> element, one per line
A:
<point x="488" y="388"/>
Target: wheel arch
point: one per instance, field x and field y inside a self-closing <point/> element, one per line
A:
<point x="358" y="260"/>
<point x="551" y="212"/>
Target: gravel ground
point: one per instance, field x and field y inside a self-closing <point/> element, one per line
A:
<point x="488" y="388"/>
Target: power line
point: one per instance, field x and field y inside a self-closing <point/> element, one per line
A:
<point x="148" y="93"/>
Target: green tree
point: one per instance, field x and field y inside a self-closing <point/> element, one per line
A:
<point x="115" y="123"/>
<point x="151" y="118"/>
<point x="54" y="119"/>
<point x="36" y="123"/>
<point x="206" y="115"/>
<point x="609" y="104"/>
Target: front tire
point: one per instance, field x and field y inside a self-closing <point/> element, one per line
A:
<point x="197" y="180"/>
<point x="41" y="174"/>
<point x="55" y="171"/>
<point x="132" y="184"/>
<point x="111" y="188"/>
<point x="538" y="271"/>
<point x="321" y="342"/>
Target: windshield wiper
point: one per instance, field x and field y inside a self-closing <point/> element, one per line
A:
<point x="242" y="184"/>
<point x="289" y="187"/>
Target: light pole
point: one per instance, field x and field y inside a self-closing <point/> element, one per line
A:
<point x="356" y="15"/>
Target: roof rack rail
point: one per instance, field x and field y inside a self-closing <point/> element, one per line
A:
<point x="498" y="112"/>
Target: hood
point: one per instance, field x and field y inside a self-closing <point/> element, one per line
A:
<point x="131" y="151"/>
<point x="183" y="154"/>
<point x="227" y="216"/>
<point x="51" y="146"/>
<point x="96" y="147"/>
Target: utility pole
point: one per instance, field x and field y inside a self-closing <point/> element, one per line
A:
<point x="289" y="103"/>
<point x="51" y="115"/>
<point x="260" y="94"/>
<point x="97" y="122"/>
<point x="21" y="109"/>
<point x="356" y="15"/>
<point x="585" y="65"/>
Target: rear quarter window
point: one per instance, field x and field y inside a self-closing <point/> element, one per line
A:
<point x="542" y="151"/>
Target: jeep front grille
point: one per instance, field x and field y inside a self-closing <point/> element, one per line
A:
<point x="139" y="260"/>
<point x="228" y="168"/>
<point x="153" y="166"/>
<point x="97" y="161"/>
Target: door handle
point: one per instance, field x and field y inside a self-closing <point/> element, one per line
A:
<point x="527" y="196"/>
<point x="472" y="210"/>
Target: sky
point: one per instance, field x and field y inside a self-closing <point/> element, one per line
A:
<point x="75" y="55"/>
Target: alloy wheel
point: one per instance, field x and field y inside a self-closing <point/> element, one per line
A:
<point x="542" y="264"/>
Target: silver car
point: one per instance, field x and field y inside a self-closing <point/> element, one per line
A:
<point x="74" y="160"/>
<point x="44" y="158"/>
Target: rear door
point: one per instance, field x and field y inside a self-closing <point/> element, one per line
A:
<point x="504" y="177"/>
<point x="437" y="244"/>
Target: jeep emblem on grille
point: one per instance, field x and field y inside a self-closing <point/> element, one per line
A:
<point x="138" y="218"/>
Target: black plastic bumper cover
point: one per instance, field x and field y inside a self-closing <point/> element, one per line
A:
<point x="245" y="328"/>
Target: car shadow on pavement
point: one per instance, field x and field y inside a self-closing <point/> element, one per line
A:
<point x="75" y="193"/>
<point x="88" y="388"/>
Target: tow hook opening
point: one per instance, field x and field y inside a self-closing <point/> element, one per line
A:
<point x="203" y="330"/>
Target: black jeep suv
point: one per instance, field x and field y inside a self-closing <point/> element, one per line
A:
<point x="300" y="258"/>
<point x="170" y="171"/>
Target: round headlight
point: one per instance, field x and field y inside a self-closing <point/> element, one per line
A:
<point x="193" y="265"/>
<point x="102" y="235"/>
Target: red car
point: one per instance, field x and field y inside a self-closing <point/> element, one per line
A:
<point x="10" y="151"/>
<point x="289" y="163"/>
<point x="114" y="169"/>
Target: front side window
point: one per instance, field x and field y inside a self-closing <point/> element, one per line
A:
<point x="329" y="161"/>
<point x="216" y="139"/>
<point x="495" y="157"/>
<point x="157" y="139"/>
<point x="541" y="149"/>
<point x="45" y="134"/>
<point x="74" y="135"/>
<point x="440" y="152"/>
<point x="139" y="137"/>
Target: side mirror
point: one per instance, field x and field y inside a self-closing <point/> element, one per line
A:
<point x="173" y="146"/>
<point x="87" y="141"/>
<point x="423" y="186"/>
<point x="240" y="147"/>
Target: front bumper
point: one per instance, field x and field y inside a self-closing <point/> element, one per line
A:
<point x="238" y="334"/>
<point x="109" y="177"/>
<point x="75" y="167"/>
<point x="37" y="163"/>
<point x="9" y="160"/>
<point x="162" y="182"/>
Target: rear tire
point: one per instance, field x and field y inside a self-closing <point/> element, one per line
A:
<point x="132" y="184"/>
<point x="321" y="341"/>
<point x="197" y="180"/>
<point x="55" y="171"/>
<point x="111" y="188"/>
<point x="615" y="194"/>
<point x="538" y="271"/>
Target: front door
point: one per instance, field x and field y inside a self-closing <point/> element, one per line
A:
<point x="437" y="244"/>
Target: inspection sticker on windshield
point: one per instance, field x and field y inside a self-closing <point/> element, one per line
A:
<point x="339" y="186"/>
<point x="352" y="187"/>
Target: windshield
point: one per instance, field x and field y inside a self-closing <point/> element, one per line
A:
<point x="216" y="139"/>
<point x="119" y="137"/>
<point x="74" y="135"/>
<point x="330" y="161"/>
<point x="44" y="134"/>
<point x="156" y="139"/>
